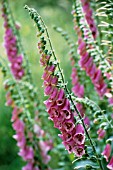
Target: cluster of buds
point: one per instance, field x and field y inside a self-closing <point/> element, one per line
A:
<point x="101" y="133"/>
<point x="12" y="51"/>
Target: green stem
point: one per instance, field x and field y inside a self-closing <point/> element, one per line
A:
<point x="102" y="113"/>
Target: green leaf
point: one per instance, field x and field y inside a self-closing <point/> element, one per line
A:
<point x="109" y="139"/>
<point x="87" y="164"/>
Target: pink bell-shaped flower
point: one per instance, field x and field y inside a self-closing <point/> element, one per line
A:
<point x="29" y="166"/>
<point x="107" y="151"/>
<point x="79" y="150"/>
<point x="65" y="111"/>
<point x="110" y="165"/>
<point x="101" y="133"/>
<point x="68" y="125"/>
<point x="61" y="98"/>
<point x="79" y="136"/>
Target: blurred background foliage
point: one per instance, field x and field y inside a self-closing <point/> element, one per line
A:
<point x="54" y="13"/>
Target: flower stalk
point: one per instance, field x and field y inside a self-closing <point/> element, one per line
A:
<point x="34" y="15"/>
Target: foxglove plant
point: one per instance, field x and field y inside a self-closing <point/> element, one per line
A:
<point x="30" y="137"/>
<point x="88" y="49"/>
<point x="87" y="63"/>
<point x="58" y="105"/>
<point x="33" y="150"/>
<point x="14" y="57"/>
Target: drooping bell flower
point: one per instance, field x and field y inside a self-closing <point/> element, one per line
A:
<point x="29" y="166"/>
<point x="60" y="100"/>
<point x="107" y="151"/>
<point x="27" y="153"/>
<point x="110" y="100"/>
<point x="18" y="125"/>
<point x="79" y="150"/>
<point x="79" y="137"/>
<point x="15" y="113"/>
<point x="58" y="107"/>
<point x="110" y="165"/>
<point x="68" y="146"/>
<point x="9" y="100"/>
<point x="87" y="121"/>
<point x="65" y="136"/>
<point x="86" y="60"/>
<point x="45" y="146"/>
<point x="65" y="111"/>
<point x="68" y="125"/>
<point x="101" y="134"/>
<point x="54" y="95"/>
